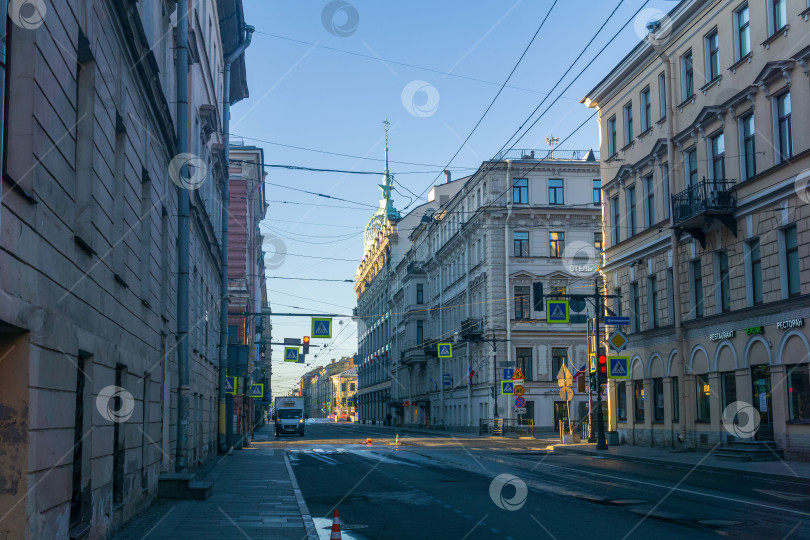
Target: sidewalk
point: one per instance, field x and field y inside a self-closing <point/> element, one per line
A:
<point x="255" y="495"/>
<point x="699" y="460"/>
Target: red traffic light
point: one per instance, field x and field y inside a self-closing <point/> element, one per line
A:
<point x="603" y="359"/>
<point x="603" y="363"/>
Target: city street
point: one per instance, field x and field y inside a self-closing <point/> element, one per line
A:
<point x="440" y="486"/>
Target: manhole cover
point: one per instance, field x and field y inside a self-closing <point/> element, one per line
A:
<point x="720" y="522"/>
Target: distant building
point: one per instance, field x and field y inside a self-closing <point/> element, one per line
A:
<point x="344" y="388"/>
<point x="706" y="224"/>
<point x="317" y="388"/>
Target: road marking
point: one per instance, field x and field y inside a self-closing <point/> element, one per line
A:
<point x="783" y="495"/>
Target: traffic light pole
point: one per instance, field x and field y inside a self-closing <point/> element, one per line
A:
<point x="601" y="443"/>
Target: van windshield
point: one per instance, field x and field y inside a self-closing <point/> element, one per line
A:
<point x="289" y="414"/>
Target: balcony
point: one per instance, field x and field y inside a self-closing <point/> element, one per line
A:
<point x="472" y="329"/>
<point x="430" y="347"/>
<point x="695" y="209"/>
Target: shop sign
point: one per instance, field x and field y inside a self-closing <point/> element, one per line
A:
<point x="753" y="330"/>
<point x="728" y="334"/>
<point x="790" y="323"/>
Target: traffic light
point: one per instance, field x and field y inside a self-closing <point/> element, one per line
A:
<point x="305" y="343"/>
<point x="538" y="295"/>
<point x="603" y="365"/>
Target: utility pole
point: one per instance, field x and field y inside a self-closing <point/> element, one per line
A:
<point x="591" y="340"/>
<point x="601" y="443"/>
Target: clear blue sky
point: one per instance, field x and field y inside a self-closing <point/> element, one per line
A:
<point x="309" y="95"/>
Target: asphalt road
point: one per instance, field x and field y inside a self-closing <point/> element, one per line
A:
<point x="440" y="486"/>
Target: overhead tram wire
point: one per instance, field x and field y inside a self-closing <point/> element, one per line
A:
<point x="478" y="123"/>
<point x="341" y="171"/>
<point x="582" y="71"/>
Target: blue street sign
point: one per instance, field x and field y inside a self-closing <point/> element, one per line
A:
<point x="291" y="354"/>
<point x="507" y="388"/>
<point x="617" y="367"/>
<point x="256" y="390"/>
<point x="445" y="350"/>
<point x="447" y="379"/>
<point x="507" y="373"/>
<point x="617" y="321"/>
<point x="230" y="385"/>
<point x="322" y="327"/>
<point x="557" y="311"/>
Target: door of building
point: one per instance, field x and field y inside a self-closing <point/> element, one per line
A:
<point x="761" y="380"/>
<point x="529" y="416"/>
<point x="560" y="415"/>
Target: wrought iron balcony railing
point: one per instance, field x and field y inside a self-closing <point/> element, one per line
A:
<point x="472" y="328"/>
<point x="695" y="208"/>
<point x="562" y="155"/>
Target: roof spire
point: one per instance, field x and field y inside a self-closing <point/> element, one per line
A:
<point x="387" y="125"/>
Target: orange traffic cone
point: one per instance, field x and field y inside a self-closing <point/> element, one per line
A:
<point x="397" y="441"/>
<point x="336" y="528"/>
<point x="368" y="441"/>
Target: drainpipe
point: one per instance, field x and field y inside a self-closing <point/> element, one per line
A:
<point x="467" y="311"/>
<point x="181" y="459"/>
<point x="4" y="18"/>
<point x="226" y="194"/>
<point x="441" y="333"/>
<point x="507" y="294"/>
<point x="676" y="286"/>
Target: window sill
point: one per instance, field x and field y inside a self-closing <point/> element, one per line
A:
<point x="707" y="422"/>
<point x="798" y="422"/>
<point x="744" y="60"/>
<point x="714" y="82"/>
<point x="805" y="14"/>
<point x="628" y="146"/>
<point x="613" y="156"/>
<point x="644" y="133"/>
<point x="683" y="104"/>
<point x="776" y="35"/>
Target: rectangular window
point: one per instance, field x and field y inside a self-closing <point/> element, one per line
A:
<point x="755" y="270"/>
<point x="520" y="191"/>
<point x="743" y="30"/>
<point x="652" y="292"/>
<point x="351" y="387"/>
<point x="524" y="362"/>
<point x="119" y="444"/>
<point x="597" y="192"/>
<point x="711" y="45"/>
<point x="691" y="167"/>
<point x="557" y="243"/>
<point x="638" y="400"/>
<point x="703" y="397"/>
<point x="725" y="282"/>
<point x="784" y="127"/>
<point x="799" y="392"/>
<point x="611" y="136"/>
<point x="77" y="499"/>
<point x="717" y="148"/>
<point x="778" y="15"/>
<point x="728" y="381"/>
<point x="676" y="402"/>
<point x="687" y="77"/>
<point x="522" y="307"/>
<point x="649" y="210"/>
<point x="555" y="191"/>
<point x="646" y="110"/>
<point x="792" y="260"/>
<point x="420" y="332"/>
<point x="521" y="239"/>
<point x="635" y="303"/>
<point x="420" y="293"/>
<point x="617" y="302"/>
<point x="597" y="241"/>
<point x="658" y="399"/>
<point x="614" y="211"/>
<point x="662" y="96"/>
<point x="631" y="211"/>
<point x="559" y="358"/>
<point x="621" y="399"/>
<point x="748" y="146"/>
<point x="697" y="292"/>
<point x="628" y="123"/>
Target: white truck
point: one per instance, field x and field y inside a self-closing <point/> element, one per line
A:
<point x="288" y="415"/>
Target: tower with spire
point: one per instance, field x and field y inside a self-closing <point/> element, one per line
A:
<point x="386" y="211"/>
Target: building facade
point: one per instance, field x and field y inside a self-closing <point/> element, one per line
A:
<point x="704" y="175"/>
<point x="247" y="292"/>
<point x="524" y="218"/>
<point x="318" y="388"/>
<point x="344" y="389"/>
<point x="88" y="260"/>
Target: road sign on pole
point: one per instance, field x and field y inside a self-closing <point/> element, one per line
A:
<point x="230" y="385"/>
<point x="520" y="402"/>
<point x="617" y="321"/>
<point x="291" y="354"/>
<point x="507" y="388"/>
<point x="518" y="390"/>
<point x="322" y="327"/>
<point x="445" y="350"/>
<point x="517" y="377"/>
<point x="257" y="390"/>
<point x="618" y="367"/>
<point x="508" y="373"/>
<point x="567" y="393"/>
<point x="564" y="377"/>
<point x="447" y="379"/>
<point x="557" y="311"/>
<point x="618" y="340"/>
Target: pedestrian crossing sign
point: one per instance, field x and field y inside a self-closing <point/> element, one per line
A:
<point x="557" y="311"/>
<point x="256" y="390"/>
<point x="322" y="327"/>
<point x="445" y="350"/>
<point x="617" y="367"/>
<point x="230" y="385"/>
<point x="507" y="388"/>
<point x="291" y="354"/>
